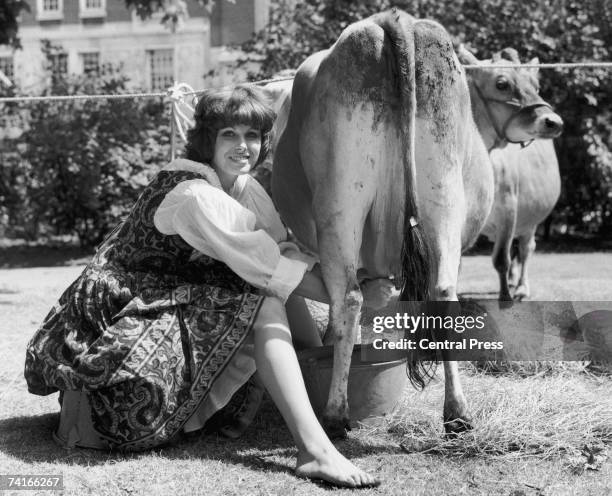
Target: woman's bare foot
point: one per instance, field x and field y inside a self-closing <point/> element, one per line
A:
<point x="331" y="466"/>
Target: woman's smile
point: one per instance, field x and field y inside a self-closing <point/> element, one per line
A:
<point x="240" y="157"/>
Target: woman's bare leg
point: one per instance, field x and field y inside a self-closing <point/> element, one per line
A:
<point x="279" y="370"/>
<point x="304" y="330"/>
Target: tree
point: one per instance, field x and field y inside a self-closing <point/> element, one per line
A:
<point x="9" y="11"/>
<point x="77" y="168"/>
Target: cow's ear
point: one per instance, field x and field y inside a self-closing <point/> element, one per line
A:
<point x="535" y="70"/>
<point x="466" y="57"/>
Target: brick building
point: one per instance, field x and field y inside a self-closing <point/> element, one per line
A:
<point x="94" y="32"/>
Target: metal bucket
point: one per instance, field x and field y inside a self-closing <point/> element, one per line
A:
<point x="376" y="380"/>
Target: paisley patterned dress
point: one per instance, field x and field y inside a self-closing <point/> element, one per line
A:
<point x="146" y="332"/>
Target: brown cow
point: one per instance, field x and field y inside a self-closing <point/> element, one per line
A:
<point x="381" y="151"/>
<point x="527" y="187"/>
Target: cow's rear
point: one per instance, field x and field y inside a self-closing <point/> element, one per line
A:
<point x="345" y="175"/>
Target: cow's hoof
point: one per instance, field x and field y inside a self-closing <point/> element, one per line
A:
<point x="521" y="293"/>
<point x="336" y="428"/>
<point x="457" y="426"/>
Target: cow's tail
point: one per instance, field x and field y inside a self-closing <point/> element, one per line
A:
<point x="416" y="257"/>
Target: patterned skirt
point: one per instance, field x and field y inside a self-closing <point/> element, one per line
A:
<point x="154" y="354"/>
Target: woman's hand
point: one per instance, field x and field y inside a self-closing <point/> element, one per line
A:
<point x="291" y="250"/>
<point x="312" y="286"/>
<point x="377" y="292"/>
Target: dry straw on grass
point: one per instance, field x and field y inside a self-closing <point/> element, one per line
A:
<point x="527" y="368"/>
<point x="546" y="416"/>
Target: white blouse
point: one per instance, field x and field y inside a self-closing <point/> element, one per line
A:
<point x="242" y="229"/>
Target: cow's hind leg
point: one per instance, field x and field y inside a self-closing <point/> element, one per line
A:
<point x="456" y="416"/>
<point x="343" y="183"/>
<point x="342" y="195"/>
<point x="344" y="319"/>
<point x="527" y="246"/>
<point x="443" y="211"/>
<point x="338" y="266"/>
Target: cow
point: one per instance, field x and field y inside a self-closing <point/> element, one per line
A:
<point x="527" y="187"/>
<point x="278" y="93"/>
<point x="381" y="168"/>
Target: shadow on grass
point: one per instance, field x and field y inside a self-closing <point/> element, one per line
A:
<point x="54" y="253"/>
<point x="27" y="256"/>
<point x="267" y="445"/>
<point x="556" y="244"/>
<point x="478" y="295"/>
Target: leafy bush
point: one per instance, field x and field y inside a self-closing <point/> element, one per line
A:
<point x="13" y="170"/>
<point x="553" y="30"/>
<point x="79" y="165"/>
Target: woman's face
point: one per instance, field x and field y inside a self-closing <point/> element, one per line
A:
<point x="236" y="151"/>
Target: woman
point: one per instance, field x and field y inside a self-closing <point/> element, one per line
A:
<point x="184" y="301"/>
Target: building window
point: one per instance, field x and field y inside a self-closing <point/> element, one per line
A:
<point x="161" y="68"/>
<point x="59" y="65"/>
<point x="50" y="5"/>
<point x="92" y="8"/>
<point x="7" y="67"/>
<point x="90" y="62"/>
<point x="50" y="10"/>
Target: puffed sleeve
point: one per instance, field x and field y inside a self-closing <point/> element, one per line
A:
<point x="215" y="224"/>
<point x="250" y="194"/>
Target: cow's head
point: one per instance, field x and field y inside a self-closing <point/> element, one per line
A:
<point x="510" y="97"/>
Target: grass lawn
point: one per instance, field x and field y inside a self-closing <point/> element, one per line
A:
<point x="545" y="434"/>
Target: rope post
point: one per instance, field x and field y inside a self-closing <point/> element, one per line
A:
<point x="172" y="132"/>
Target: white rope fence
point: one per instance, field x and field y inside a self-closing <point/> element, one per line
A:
<point x="183" y="107"/>
<point x="62" y="98"/>
<point x="161" y="94"/>
<point x="556" y="65"/>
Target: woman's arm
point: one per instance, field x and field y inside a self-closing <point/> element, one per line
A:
<point x="216" y="225"/>
<point x="312" y="286"/>
<point x="376" y="292"/>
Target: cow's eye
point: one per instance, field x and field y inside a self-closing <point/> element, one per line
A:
<point x="502" y="84"/>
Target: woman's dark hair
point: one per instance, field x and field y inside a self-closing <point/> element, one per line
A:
<point x="244" y="104"/>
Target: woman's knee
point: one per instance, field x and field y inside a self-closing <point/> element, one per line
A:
<point x="271" y="312"/>
<point x="304" y="330"/>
